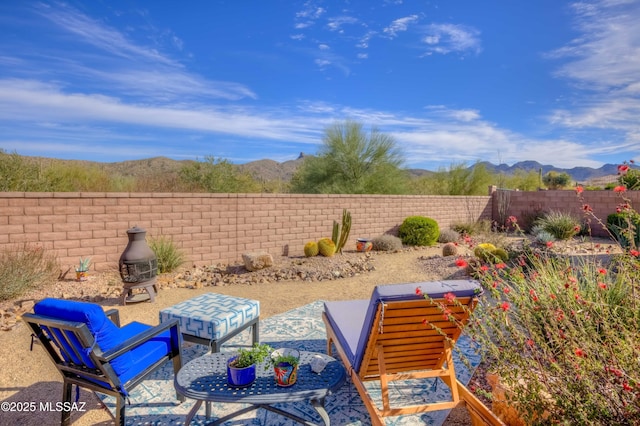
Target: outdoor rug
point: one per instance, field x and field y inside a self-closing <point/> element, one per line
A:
<point x="154" y="403"/>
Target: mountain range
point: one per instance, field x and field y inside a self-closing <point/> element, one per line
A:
<point x="268" y="170"/>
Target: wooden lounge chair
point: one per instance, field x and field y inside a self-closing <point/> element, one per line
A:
<point x="91" y="350"/>
<point x="400" y="335"/>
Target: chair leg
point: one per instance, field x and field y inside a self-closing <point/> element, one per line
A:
<point x="177" y="365"/>
<point x="120" y="405"/>
<point x="66" y="398"/>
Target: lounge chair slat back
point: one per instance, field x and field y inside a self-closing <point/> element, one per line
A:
<point x="406" y="336"/>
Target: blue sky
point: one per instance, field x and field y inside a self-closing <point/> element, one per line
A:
<point x="452" y="80"/>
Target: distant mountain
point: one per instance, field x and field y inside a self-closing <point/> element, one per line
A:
<point x="579" y="174"/>
<point x="268" y="170"/>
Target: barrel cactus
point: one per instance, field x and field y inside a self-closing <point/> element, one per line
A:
<point x="449" y="249"/>
<point x="485" y="251"/>
<point x="501" y="254"/>
<point x="311" y="249"/>
<point x="326" y="247"/>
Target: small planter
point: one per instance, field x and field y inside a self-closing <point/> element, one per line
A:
<point x="363" y="244"/>
<point x="81" y="275"/>
<point x="285" y="366"/>
<point x="240" y="377"/>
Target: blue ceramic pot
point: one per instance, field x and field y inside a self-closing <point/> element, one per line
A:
<point x="240" y="377"/>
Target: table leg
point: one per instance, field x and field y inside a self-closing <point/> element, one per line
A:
<point x="318" y="404"/>
<point x="192" y="413"/>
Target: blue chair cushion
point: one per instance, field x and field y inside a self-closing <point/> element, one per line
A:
<point x="107" y="336"/>
<point x="352" y="320"/>
<point x="136" y="361"/>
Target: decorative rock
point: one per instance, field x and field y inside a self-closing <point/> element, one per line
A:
<point x="257" y="260"/>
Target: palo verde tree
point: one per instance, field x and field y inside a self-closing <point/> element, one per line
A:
<point x="352" y="161"/>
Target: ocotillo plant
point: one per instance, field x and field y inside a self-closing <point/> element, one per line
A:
<point x="339" y="236"/>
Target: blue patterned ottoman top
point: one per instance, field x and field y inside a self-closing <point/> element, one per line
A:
<point x="212" y="316"/>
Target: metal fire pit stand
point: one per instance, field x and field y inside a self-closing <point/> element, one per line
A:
<point x="138" y="269"/>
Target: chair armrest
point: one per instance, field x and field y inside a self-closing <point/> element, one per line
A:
<point x="114" y="316"/>
<point x="139" y="339"/>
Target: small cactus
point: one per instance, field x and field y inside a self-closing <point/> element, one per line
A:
<point x="311" y="249"/>
<point x="501" y="254"/>
<point x="449" y="249"/>
<point x="326" y="247"/>
<point x="485" y="251"/>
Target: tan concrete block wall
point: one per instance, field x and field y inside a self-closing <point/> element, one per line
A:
<point x="209" y="228"/>
<point x="603" y="203"/>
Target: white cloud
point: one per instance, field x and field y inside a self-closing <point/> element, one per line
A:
<point x="399" y="25"/>
<point x="451" y="38"/>
<point x="323" y="46"/>
<point x="336" y="23"/>
<point x="363" y="55"/>
<point x="604" y="63"/>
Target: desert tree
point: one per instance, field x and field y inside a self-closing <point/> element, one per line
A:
<point x="555" y="180"/>
<point x="217" y="175"/>
<point x="352" y="161"/>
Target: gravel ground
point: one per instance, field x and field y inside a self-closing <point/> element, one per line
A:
<point x="30" y="376"/>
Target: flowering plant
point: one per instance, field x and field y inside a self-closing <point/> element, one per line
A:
<point x="563" y="334"/>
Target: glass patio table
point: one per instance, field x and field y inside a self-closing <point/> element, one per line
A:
<point x="205" y="380"/>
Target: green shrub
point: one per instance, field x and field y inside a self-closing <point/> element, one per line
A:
<point x="169" y="256"/>
<point x="625" y="227"/>
<point x="562" y="226"/>
<point x="25" y="268"/>
<point x="448" y="236"/>
<point x="464" y="228"/>
<point x="386" y="242"/>
<point x="419" y="231"/>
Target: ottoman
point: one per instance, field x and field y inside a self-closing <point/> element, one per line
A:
<point x="211" y="319"/>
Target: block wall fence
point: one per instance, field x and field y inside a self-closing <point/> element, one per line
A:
<point x="209" y="228"/>
<point x="218" y="228"/>
<point x="523" y="204"/>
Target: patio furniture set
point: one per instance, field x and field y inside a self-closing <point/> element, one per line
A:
<point x="383" y="339"/>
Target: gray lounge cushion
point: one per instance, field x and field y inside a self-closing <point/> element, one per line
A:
<point x="351" y="320"/>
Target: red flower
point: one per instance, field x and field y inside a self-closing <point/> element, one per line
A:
<point x="505" y="306"/>
<point x="461" y="263"/>
<point x="602" y="271"/>
<point x="623" y="169"/>
<point x="549" y="244"/>
<point x="587" y="208"/>
<point x="576" y="228"/>
<point x="500" y="266"/>
<point x="446" y="313"/>
<point x="579" y="353"/>
<point x="512" y="219"/>
<point x="450" y="297"/>
<point x="635" y="253"/>
<point x="552" y="296"/>
<point x="579" y="189"/>
<point x="620" y="189"/>
<point x="484" y="268"/>
<point x="418" y="291"/>
<point x="506" y="290"/>
<point x="602" y="286"/>
<point x="530" y="343"/>
<point x="626" y="387"/>
<point x="533" y="295"/>
<point x="425" y="322"/>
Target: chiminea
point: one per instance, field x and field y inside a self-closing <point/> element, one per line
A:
<point x="138" y="268"/>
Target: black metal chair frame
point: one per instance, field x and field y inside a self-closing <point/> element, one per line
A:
<point x="83" y="376"/>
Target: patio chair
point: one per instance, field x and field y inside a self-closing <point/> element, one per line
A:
<point x="399" y="335"/>
<point x="91" y="350"/>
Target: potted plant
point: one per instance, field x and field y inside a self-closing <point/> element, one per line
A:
<point x="82" y="269"/>
<point x="241" y="369"/>
<point x="285" y="366"/>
